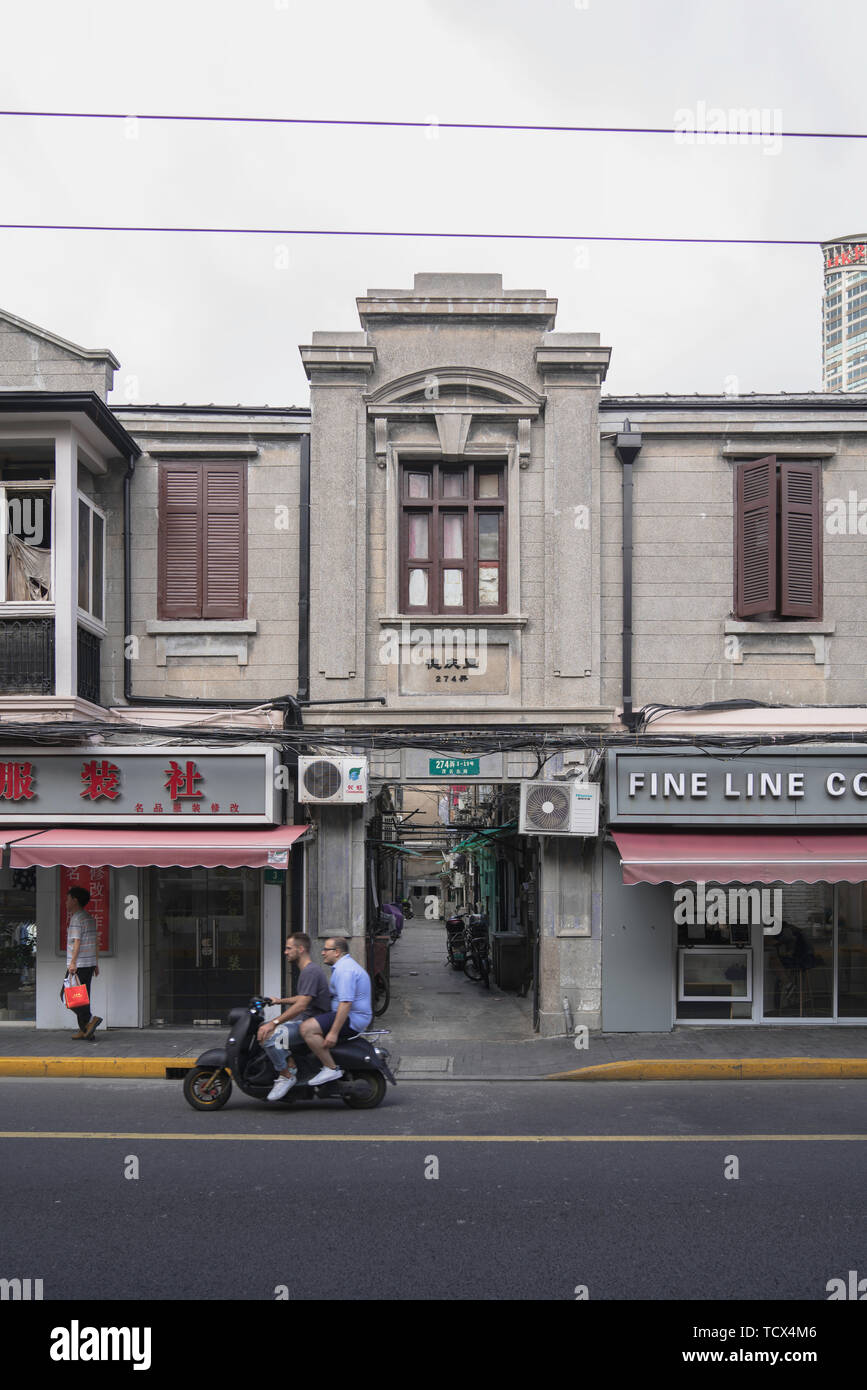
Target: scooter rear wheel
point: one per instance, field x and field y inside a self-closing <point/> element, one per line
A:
<point x="207" y="1088"/>
<point x="375" y="1085"/>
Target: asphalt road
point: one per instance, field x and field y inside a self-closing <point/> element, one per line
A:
<point x="447" y="1191"/>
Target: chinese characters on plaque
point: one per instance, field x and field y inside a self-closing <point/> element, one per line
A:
<point x="95" y="880"/>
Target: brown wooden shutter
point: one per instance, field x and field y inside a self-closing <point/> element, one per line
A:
<point x="800" y="541"/>
<point x="180" y="544"/>
<point x="225" y="540"/>
<point x="756" y="537"/>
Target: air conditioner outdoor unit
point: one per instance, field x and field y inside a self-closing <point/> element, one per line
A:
<point x="559" y="808"/>
<point x="332" y="781"/>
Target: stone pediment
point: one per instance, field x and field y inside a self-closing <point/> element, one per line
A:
<point x="463" y="387"/>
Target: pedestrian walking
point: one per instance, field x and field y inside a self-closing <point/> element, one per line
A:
<point x="82" y="955"/>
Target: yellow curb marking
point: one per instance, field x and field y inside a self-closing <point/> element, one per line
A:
<point x="733" y="1068"/>
<point x="448" y="1138"/>
<point x="136" y="1067"/>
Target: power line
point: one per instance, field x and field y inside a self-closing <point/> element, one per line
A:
<point x="379" y="232"/>
<point x="451" y="125"/>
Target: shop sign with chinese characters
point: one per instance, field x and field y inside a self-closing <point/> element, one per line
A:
<point x="96" y="883"/>
<point x="137" y="786"/>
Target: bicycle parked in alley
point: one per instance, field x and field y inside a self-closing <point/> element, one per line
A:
<point x="468" y="945"/>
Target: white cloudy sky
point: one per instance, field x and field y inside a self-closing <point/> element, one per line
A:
<point x="219" y="318"/>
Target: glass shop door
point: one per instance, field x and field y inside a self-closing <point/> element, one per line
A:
<point x="205" y="943"/>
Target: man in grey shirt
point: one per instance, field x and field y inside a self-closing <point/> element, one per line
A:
<point x="314" y="996"/>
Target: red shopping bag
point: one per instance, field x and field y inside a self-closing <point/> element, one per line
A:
<point x="76" y="995"/>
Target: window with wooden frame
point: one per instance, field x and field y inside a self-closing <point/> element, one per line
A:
<point x="202" y="540"/>
<point x="453" y="538"/>
<point x="778" y="539"/>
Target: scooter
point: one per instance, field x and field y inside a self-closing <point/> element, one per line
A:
<point x="244" y="1061"/>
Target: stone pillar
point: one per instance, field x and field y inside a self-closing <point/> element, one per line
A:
<point x="573" y="367"/>
<point x="338" y="366"/>
<point x="65" y="565"/>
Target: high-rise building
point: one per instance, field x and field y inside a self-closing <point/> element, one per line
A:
<point x="844" y="314"/>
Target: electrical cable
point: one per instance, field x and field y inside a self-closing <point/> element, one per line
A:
<point x="381" y="232"/>
<point x="506" y="126"/>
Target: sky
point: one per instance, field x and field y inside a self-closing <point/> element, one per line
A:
<point x="205" y="318"/>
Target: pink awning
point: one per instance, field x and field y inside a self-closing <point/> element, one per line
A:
<point x="263" y="848"/>
<point x="748" y="857"/>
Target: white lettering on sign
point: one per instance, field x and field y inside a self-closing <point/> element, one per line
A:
<point x="741" y="786"/>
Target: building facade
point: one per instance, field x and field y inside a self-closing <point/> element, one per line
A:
<point x="844" y="315"/>
<point x="464" y="570"/>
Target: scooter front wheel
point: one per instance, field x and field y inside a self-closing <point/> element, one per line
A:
<point x="207" y="1088"/>
<point x="373" y="1094"/>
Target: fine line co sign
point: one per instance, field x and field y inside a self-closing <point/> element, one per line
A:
<point x="782" y="788"/>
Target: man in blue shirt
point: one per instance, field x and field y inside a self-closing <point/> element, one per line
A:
<point x="351" y="1009"/>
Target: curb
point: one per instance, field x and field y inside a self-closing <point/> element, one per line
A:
<point x="721" y="1069"/>
<point x="159" y="1068"/>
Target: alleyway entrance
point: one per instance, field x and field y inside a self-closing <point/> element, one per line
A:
<point x="430" y="1000"/>
<point x="436" y="852"/>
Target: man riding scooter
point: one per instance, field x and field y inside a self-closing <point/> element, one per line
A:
<point x="313" y="997"/>
<point x="351" y="1009"/>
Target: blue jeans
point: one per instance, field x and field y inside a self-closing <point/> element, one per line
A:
<point x="285" y="1035"/>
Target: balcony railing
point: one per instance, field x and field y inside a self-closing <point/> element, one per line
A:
<point x="27" y="656"/>
<point x="88" y="666"/>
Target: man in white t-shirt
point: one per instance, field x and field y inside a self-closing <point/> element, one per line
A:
<point x="82" y="954"/>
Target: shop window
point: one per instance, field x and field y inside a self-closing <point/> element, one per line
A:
<point x="778" y="539"/>
<point x="453" y="538"/>
<point x="852" y="951"/>
<point x="203" y="541"/>
<point x="714" y="974"/>
<point x="799" y="959"/>
<point x="17" y="944"/>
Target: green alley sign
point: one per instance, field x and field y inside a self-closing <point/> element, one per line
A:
<point x="453" y="767"/>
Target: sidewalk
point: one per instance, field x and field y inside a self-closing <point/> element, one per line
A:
<point x="445" y="1026"/>
<point x="687" y="1053"/>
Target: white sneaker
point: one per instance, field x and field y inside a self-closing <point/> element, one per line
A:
<point x="281" y="1086"/>
<point x="326" y="1074"/>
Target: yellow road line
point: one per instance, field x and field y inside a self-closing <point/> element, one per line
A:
<point x="446" y="1138"/>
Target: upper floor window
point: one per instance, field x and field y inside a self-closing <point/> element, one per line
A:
<point x="27" y="512"/>
<point x="202" y="540"/>
<point x="453" y="538"/>
<point x="778" y="539"/>
<point x="91" y="560"/>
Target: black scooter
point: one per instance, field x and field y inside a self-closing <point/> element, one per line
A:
<point x="208" y="1085"/>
